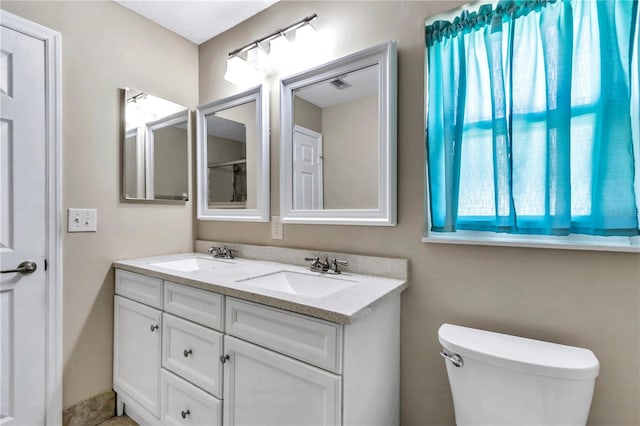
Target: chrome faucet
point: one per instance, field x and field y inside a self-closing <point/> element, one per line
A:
<point x="332" y="267"/>
<point x="317" y="265"/>
<point x="223" y="252"/>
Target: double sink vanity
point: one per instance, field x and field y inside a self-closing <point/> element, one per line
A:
<point x="201" y="340"/>
<point x="266" y="338"/>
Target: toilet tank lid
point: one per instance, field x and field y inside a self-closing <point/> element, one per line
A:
<point x="518" y="353"/>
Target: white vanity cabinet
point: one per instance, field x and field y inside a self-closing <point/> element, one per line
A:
<point x="219" y="360"/>
<point x="265" y="388"/>
<point x="137" y="339"/>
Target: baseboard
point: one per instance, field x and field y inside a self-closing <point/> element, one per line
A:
<point x="92" y="411"/>
<point x="136" y="412"/>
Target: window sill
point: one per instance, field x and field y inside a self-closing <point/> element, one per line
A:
<point x="572" y="242"/>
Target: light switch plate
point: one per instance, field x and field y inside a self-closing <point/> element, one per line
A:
<point x="82" y="220"/>
<point x="277" y="228"/>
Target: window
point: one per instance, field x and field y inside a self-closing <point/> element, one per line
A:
<point x="533" y="115"/>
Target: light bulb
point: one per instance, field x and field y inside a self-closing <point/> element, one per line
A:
<point x="239" y="72"/>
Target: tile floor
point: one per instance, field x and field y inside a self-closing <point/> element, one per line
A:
<point x="119" y="421"/>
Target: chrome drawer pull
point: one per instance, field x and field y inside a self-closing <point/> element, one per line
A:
<point x="154" y="327"/>
<point x="185" y="413"/>
<point x="455" y="359"/>
<point x="187" y="352"/>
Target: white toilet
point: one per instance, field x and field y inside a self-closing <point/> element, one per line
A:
<point x="497" y="379"/>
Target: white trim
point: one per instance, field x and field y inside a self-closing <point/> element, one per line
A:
<point x="385" y="56"/>
<point x="53" y="110"/>
<point x="570" y="242"/>
<point x="258" y="94"/>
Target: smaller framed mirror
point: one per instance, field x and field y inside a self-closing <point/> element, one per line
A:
<point x="233" y="158"/>
<point x="155" y="149"/>
<point x="338" y="141"/>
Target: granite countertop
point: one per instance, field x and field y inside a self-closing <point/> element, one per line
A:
<point x="229" y="277"/>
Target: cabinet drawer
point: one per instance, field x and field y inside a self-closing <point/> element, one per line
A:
<point x="308" y="339"/>
<point x="193" y="352"/>
<point x="185" y="404"/>
<point x="139" y="287"/>
<point x="203" y="307"/>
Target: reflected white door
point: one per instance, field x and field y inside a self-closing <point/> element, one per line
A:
<point x="307" y="169"/>
<point x="22" y="234"/>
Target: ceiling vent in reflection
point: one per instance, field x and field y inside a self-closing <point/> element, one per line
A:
<point x="340" y="84"/>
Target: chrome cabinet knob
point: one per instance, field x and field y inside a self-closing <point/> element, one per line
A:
<point x="185" y="413"/>
<point x="224" y="358"/>
<point x="154" y="327"/>
<point x="187" y="352"/>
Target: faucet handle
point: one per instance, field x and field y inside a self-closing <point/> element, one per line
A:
<point x="228" y="252"/>
<point x="334" y="266"/>
<point x="312" y="259"/>
<point x="214" y="249"/>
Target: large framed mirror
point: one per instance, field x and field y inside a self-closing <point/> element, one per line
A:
<point x="233" y="158"/>
<point x="155" y="164"/>
<point x="338" y="141"/>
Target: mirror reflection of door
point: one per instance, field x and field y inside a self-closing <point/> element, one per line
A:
<point x="342" y="112"/>
<point x="231" y="147"/>
<point x="307" y="169"/>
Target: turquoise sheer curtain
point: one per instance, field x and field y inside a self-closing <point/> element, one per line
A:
<point x="532" y="119"/>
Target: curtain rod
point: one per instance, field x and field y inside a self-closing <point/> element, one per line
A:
<point x="275" y="34"/>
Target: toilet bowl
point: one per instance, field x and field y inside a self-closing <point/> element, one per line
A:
<point x="498" y="379"/>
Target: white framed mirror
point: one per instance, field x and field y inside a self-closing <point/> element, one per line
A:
<point x="233" y="158"/>
<point x="155" y="149"/>
<point x="338" y="141"/>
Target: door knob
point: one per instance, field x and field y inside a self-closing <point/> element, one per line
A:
<point x="27" y="267"/>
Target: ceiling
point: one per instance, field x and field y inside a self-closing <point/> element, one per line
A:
<point x="197" y="20"/>
<point x="364" y="83"/>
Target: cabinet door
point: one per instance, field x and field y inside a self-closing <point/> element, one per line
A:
<point x="265" y="388"/>
<point x="136" y="365"/>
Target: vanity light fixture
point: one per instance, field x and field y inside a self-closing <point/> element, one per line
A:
<point x="267" y="54"/>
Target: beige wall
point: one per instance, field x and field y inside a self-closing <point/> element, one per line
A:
<point x="589" y="299"/>
<point x="350" y="151"/>
<point x="105" y="48"/>
<point x="307" y="115"/>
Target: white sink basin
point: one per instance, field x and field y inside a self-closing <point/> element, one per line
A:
<point x="189" y="264"/>
<point x="308" y="285"/>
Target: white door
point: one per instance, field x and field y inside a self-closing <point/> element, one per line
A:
<point x="262" y="387"/>
<point x="307" y="169"/>
<point x="23" y="301"/>
<point x="136" y="352"/>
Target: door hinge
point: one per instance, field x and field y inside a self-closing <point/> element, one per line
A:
<point x="45" y="265"/>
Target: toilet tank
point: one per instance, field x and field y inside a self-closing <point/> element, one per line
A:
<point x="509" y="380"/>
